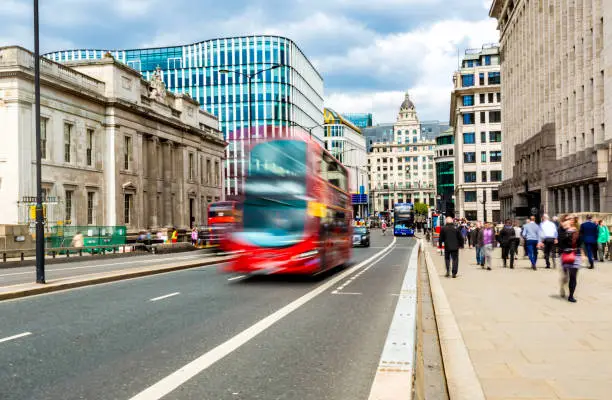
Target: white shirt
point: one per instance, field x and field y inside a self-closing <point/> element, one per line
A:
<point x="548" y="230"/>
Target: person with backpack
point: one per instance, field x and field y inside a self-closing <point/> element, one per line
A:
<point x="570" y="242"/>
<point x="507" y="241"/>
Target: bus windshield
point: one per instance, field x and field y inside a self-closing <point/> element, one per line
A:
<point x="275" y="207"/>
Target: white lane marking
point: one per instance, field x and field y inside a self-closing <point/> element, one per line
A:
<point x="108" y="265"/>
<point x="355" y="294"/>
<point x="236" y="278"/>
<point x="396" y="367"/>
<point x="182" y="375"/>
<point x="383" y="254"/>
<point x="6" y="339"/>
<point x="165" y="296"/>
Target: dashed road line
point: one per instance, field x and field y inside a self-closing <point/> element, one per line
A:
<point x="351" y="279"/>
<point x="6" y="339"/>
<point x="237" y="277"/>
<point x="165" y="296"/>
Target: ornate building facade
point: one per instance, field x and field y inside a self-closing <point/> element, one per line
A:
<point x="402" y="170"/>
<point x="117" y="150"/>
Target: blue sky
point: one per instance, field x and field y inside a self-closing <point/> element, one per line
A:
<point x="369" y="52"/>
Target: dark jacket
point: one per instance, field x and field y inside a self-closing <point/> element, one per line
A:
<point x="568" y="241"/>
<point x="451" y="237"/>
<point x="507" y="236"/>
<point x="474" y="234"/>
<point x="589" y="231"/>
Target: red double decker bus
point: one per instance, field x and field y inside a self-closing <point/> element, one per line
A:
<point x="223" y="218"/>
<point x="297" y="211"/>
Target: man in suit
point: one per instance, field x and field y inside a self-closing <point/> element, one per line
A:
<point x="589" y="231"/>
<point x="452" y="240"/>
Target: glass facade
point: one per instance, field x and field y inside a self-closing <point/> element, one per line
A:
<point x="283" y="101"/>
<point x="359" y="120"/>
<point x="445" y="178"/>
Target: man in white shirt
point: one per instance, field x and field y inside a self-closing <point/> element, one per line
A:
<point x="548" y="238"/>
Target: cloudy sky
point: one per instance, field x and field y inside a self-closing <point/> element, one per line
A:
<point x="368" y="51"/>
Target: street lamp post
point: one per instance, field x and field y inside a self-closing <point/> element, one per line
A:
<point x="40" y="231"/>
<point x="307" y="129"/>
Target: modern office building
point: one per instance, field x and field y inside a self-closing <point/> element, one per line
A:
<point x="346" y="142"/>
<point x="402" y="170"/>
<point x="432" y="129"/>
<point x="557" y="85"/>
<point x="445" y="171"/>
<point x="379" y="134"/>
<point x="475" y="116"/>
<point x="214" y="72"/>
<point x="116" y="149"/>
<point x="360" y="120"/>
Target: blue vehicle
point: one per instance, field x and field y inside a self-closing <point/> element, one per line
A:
<point x="403" y="219"/>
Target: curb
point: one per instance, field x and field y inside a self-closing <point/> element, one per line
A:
<point x="461" y="378"/>
<point x="58" y="285"/>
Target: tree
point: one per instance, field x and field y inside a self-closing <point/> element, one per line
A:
<point x="421" y="209"/>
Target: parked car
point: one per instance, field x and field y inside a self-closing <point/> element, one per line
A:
<point x="361" y="236"/>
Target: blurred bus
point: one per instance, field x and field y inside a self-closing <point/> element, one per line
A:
<point x="403" y="219"/>
<point x="224" y="217"/>
<point x="297" y="211"/>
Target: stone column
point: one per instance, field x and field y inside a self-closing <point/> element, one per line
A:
<point x="575" y="199"/>
<point x="167" y="184"/>
<point x="602" y="196"/>
<point x="152" y="173"/>
<point x="567" y="208"/>
<point x="591" y="199"/>
<point x="581" y="207"/>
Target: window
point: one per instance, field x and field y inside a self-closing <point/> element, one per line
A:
<point x="470" y="197"/>
<point x="494" y="116"/>
<point x="498" y="97"/>
<point x="469" y="138"/>
<point x="495" y="137"/>
<point x="491" y="97"/>
<point x="469" y="157"/>
<point x="90" y="208"/>
<point x="496" y="156"/>
<point x="483" y="117"/>
<point x="67" y="142"/>
<point x="482" y="79"/>
<point x="483" y="156"/>
<point x="468" y="100"/>
<point x="469" y="177"/>
<point x="487" y="60"/>
<point x="90" y="144"/>
<point x="494" y="78"/>
<point x="483" y="176"/>
<point x="482" y="98"/>
<point x="495" y="195"/>
<point x="43" y="138"/>
<point x="127" y="208"/>
<point x="217" y="179"/>
<point x="191" y="167"/>
<point x="467" y="80"/>
<point x="174" y="63"/>
<point x="496" y="176"/>
<point x="127" y="152"/>
<point x="468" y="119"/>
<point x="68" y="207"/>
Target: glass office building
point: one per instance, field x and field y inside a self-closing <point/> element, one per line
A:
<point x="360" y="120"/>
<point x="284" y="100"/>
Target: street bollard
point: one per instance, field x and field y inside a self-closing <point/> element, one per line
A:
<point x="67" y="253"/>
<point x="114" y="250"/>
<point x="80" y="253"/>
<point x="53" y="253"/>
<point x="3" y="257"/>
<point x="22" y="257"/>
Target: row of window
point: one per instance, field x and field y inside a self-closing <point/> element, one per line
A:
<point x="400" y="149"/>
<point x="469" y="80"/>
<point x="470" y="177"/>
<point x="470" y="118"/>
<point x="68" y="146"/>
<point x="469" y="157"/>
<point x="470" y="196"/>
<point x="469" y="100"/>
<point x="483" y="60"/>
<point x="470" y="137"/>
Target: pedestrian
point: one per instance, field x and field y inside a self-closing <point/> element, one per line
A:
<point x="487" y="238"/>
<point x="570" y="242"/>
<point x="174" y="237"/>
<point x="589" y="231"/>
<point x="194" y="236"/>
<point x="549" y="236"/>
<point x="517" y="238"/>
<point x="469" y="235"/>
<point x="477" y="244"/>
<point x="525" y="252"/>
<point x="531" y="233"/>
<point x="452" y="239"/>
<point x="602" y="240"/>
<point x="464" y="232"/>
<point x="384" y="227"/>
<point x="507" y="238"/>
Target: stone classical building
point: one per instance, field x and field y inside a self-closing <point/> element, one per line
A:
<point x="556" y="80"/>
<point x="476" y="116"/>
<point x="402" y="169"/>
<point x="117" y="150"/>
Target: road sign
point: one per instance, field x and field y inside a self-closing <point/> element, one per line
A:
<point x="360" y="198"/>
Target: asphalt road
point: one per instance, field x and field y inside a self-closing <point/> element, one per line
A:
<point x="15" y="276"/>
<point x="113" y="341"/>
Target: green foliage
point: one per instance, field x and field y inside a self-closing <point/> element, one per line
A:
<point x="421" y="209"/>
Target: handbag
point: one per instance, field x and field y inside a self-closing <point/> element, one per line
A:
<point x="569" y="257"/>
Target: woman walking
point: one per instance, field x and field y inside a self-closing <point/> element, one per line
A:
<point x="603" y="238"/>
<point x="570" y="243"/>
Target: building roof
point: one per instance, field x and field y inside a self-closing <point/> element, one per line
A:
<point x="407" y="104"/>
<point x="332" y="117"/>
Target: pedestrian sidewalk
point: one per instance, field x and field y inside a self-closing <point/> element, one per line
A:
<point x="524" y="340"/>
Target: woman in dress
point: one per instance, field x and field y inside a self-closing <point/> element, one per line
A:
<point x="570" y="243"/>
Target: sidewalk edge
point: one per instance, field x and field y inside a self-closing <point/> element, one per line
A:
<point x="463" y="384"/>
<point x="118" y="276"/>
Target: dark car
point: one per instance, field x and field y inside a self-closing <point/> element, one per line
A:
<point x="361" y="236"/>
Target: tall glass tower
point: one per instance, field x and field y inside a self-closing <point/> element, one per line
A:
<point x="214" y="72"/>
